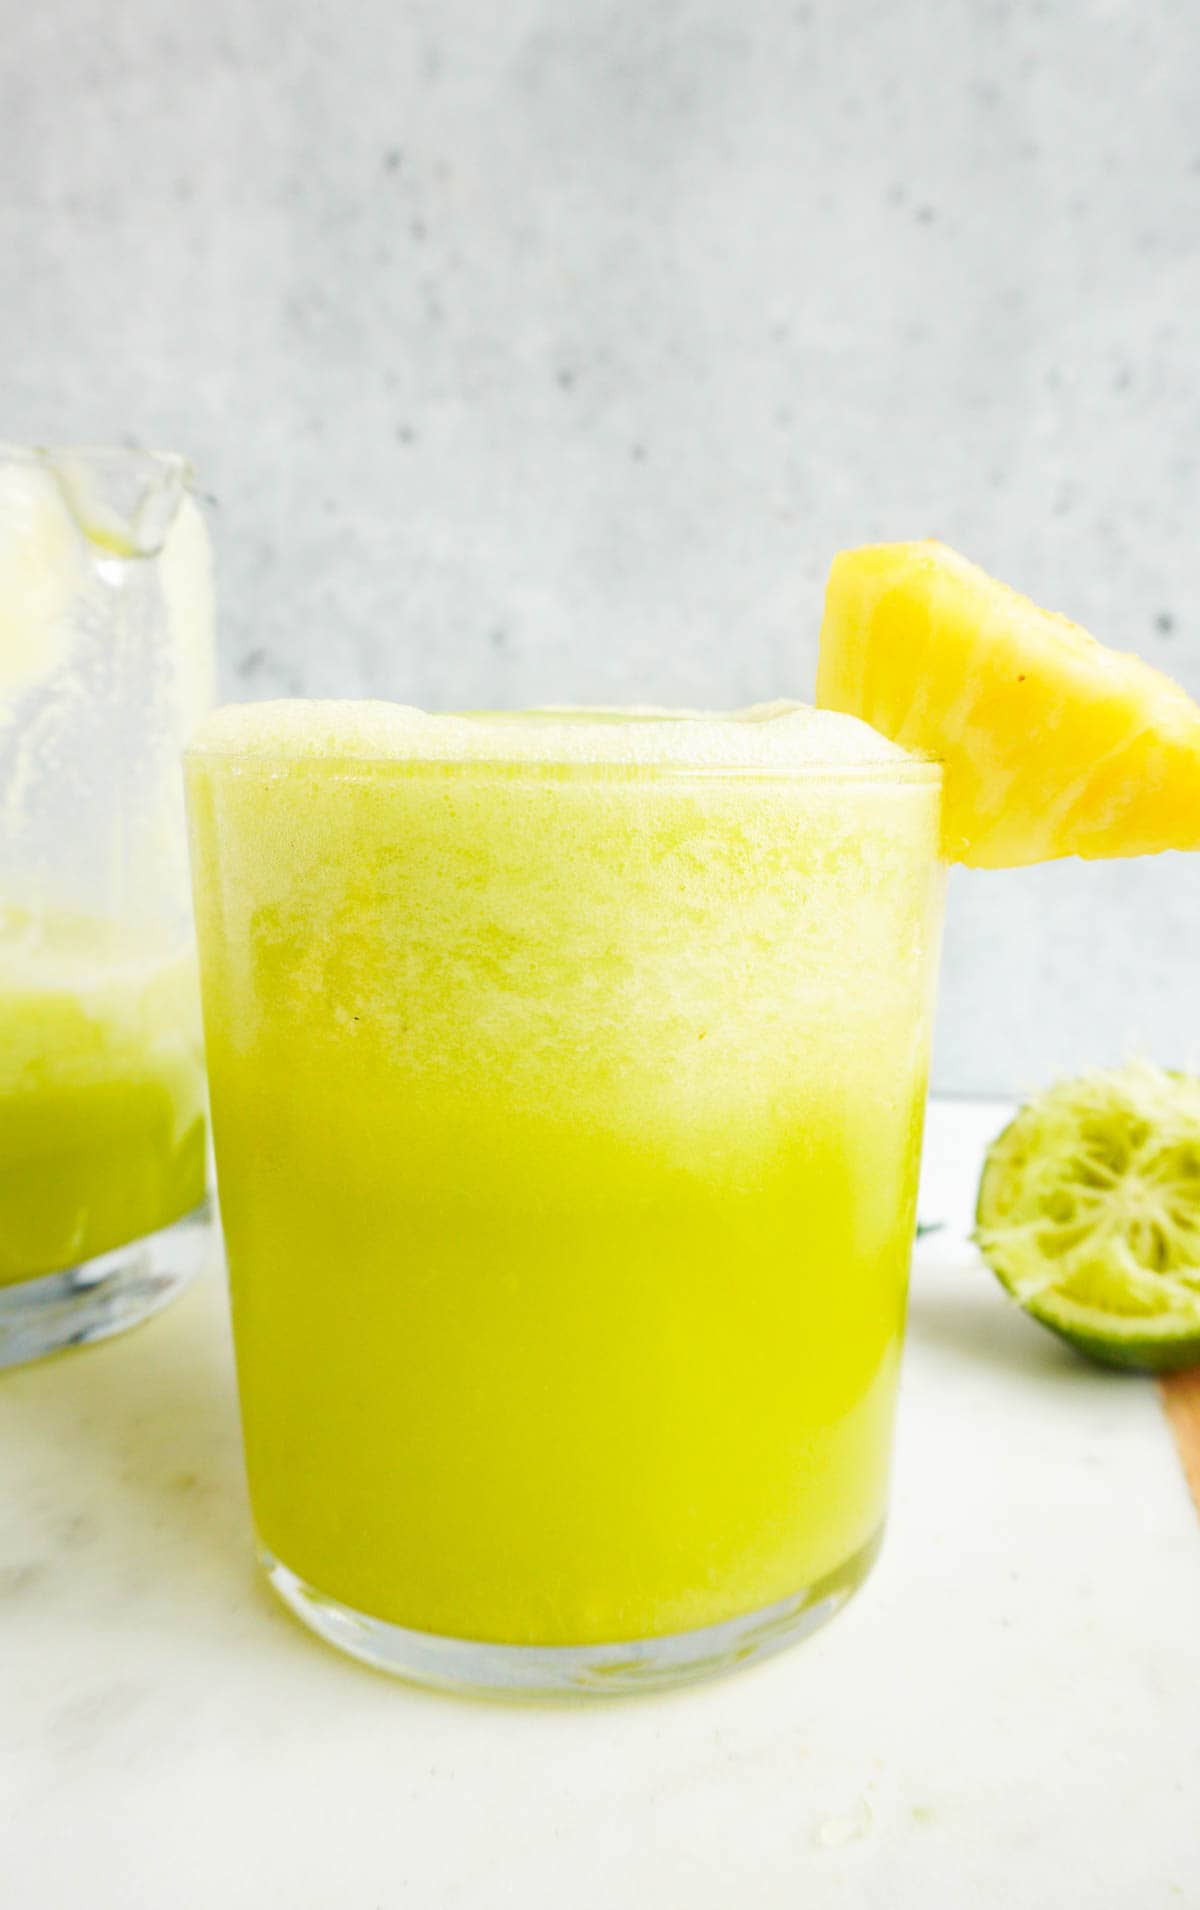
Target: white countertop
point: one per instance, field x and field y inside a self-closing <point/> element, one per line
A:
<point x="1007" y="1715"/>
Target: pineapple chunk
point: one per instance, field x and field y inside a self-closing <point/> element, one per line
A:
<point x="1053" y="745"/>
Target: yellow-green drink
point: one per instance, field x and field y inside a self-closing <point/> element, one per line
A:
<point x="102" y="1103"/>
<point x="106" y="662"/>
<point x="567" y="1078"/>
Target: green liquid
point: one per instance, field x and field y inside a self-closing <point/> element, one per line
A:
<point x="567" y="1129"/>
<point x="102" y="1128"/>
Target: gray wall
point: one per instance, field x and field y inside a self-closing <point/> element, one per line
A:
<point x="547" y="350"/>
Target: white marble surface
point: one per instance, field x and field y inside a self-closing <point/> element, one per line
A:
<point x="547" y="352"/>
<point x="1006" y="1718"/>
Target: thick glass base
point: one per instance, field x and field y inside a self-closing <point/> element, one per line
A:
<point x="116" y="1290"/>
<point x="570" y="1671"/>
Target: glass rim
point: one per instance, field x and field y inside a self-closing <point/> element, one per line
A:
<point x="916" y="772"/>
<point x="123" y="499"/>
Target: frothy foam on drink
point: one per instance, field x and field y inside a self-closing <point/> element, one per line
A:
<point x="769" y="736"/>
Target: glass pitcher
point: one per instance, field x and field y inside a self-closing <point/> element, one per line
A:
<point x="106" y="662"/>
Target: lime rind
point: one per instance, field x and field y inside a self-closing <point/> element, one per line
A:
<point x="1089" y="1214"/>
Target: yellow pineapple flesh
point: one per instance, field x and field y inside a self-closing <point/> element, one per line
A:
<point x="1052" y="744"/>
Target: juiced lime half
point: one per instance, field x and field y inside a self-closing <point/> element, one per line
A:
<point x="1089" y="1214"/>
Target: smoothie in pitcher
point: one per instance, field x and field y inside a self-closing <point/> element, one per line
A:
<point x="102" y="1101"/>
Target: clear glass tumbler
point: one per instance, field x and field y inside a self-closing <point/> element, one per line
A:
<point x="568" y="1079"/>
<point x="106" y="663"/>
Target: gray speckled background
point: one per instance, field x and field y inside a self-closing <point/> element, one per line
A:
<point x="548" y="351"/>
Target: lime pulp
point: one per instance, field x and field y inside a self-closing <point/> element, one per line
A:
<point x="1089" y="1215"/>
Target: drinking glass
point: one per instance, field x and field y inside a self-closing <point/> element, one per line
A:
<point x="106" y="661"/>
<point x="567" y="1117"/>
